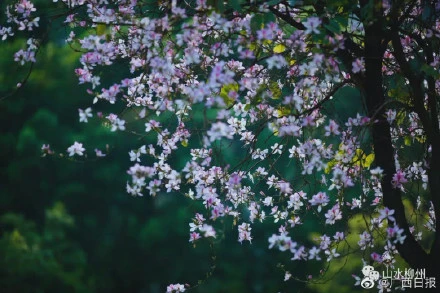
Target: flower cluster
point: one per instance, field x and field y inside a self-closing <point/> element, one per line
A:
<point x="250" y="107"/>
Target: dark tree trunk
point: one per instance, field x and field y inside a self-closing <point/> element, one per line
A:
<point x="410" y="250"/>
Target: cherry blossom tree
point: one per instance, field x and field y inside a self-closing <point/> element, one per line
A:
<point x="247" y="91"/>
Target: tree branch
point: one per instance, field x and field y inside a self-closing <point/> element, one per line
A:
<point x="326" y="98"/>
<point x="434" y="166"/>
<point x="287" y="18"/>
<point x="415" y="83"/>
<point x="410" y="250"/>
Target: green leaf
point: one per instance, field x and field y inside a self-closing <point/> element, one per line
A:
<point x="342" y="20"/>
<point x="218" y="5"/>
<point x="361" y="159"/>
<point x="283" y="111"/>
<point x="273" y="2"/>
<point x="101" y="29"/>
<point x="275" y="89"/>
<point x="235" y="4"/>
<point x="258" y="21"/>
<point x="280" y="48"/>
<point x="225" y="90"/>
<point x="333" y="26"/>
<point x="427" y="13"/>
<point x="366" y="163"/>
<point x="429" y="70"/>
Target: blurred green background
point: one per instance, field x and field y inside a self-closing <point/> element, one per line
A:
<point x="68" y="225"/>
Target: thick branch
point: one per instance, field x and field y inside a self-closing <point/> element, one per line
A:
<point x="430" y="125"/>
<point x="410" y="250"/>
<point x="432" y="96"/>
<point x="434" y="166"/>
<point x="415" y="82"/>
<point x="287" y="18"/>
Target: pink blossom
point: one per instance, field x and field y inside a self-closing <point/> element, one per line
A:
<point x="99" y="153"/>
<point x="376" y="257"/>
<point x="399" y="179"/>
<point x="244" y="232"/>
<point x="320" y="199"/>
<point x="85" y="114"/>
<point x="332" y="128"/>
<point x="314" y="253"/>
<point x="333" y="215"/>
<point x="175" y="288"/>
<point x="339" y="236"/>
<point x="358" y="65"/>
<point x="76" y="149"/>
<point x="194" y="236"/>
<point x="45" y="148"/>
<point x="311" y="25"/>
<point x="386" y="213"/>
<point x="208" y="231"/>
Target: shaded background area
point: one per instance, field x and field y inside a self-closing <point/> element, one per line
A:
<point x="67" y="225"/>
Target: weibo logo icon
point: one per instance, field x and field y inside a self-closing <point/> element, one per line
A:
<point x="370" y="276"/>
